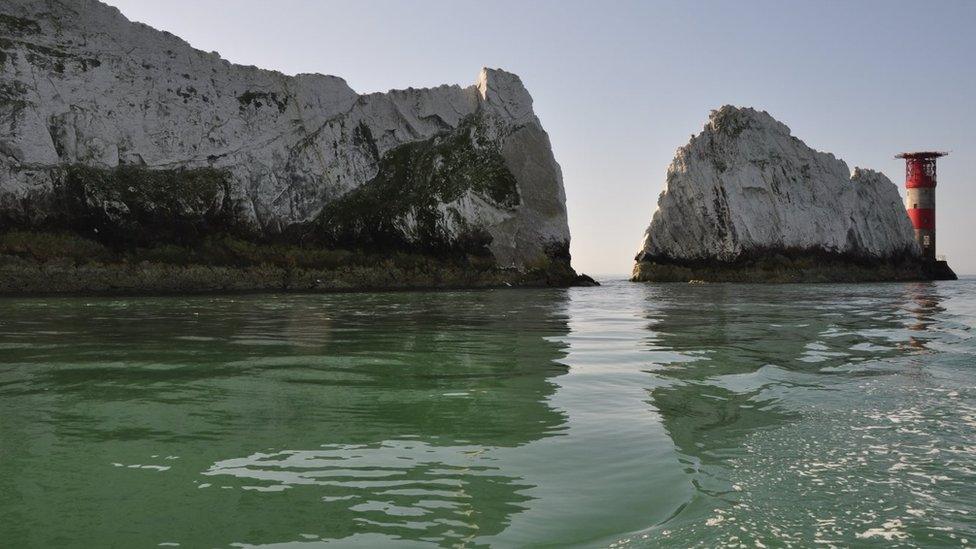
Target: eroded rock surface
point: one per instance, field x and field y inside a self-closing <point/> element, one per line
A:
<point x="82" y="86"/>
<point x="745" y="187"/>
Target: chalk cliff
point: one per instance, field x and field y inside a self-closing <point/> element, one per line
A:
<point x="120" y="131"/>
<point x="746" y="190"/>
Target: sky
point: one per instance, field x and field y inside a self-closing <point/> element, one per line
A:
<point x="620" y="85"/>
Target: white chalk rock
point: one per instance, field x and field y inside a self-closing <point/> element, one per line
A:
<point x="745" y="186"/>
<point x="81" y="84"/>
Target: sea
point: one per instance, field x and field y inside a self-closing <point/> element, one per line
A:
<point x="626" y="415"/>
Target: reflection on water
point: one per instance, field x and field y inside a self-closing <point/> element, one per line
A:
<point x="403" y="489"/>
<point x="375" y="412"/>
<point x="924" y="307"/>
<point x="632" y="414"/>
<point x="784" y="430"/>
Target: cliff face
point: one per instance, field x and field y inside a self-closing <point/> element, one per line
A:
<point x="110" y="126"/>
<point x="744" y="187"/>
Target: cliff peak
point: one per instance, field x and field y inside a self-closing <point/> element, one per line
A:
<point x="504" y="91"/>
<point x="731" y="121"/>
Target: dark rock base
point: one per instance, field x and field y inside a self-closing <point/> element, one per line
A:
<point x="161" y="279"/>
<point x="780" y="269"/>
<point x="63" y="263"/>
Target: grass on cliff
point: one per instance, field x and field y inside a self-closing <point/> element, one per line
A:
<point x="415" y="181"/>
<point x="215" y="251"/>
<point x="46" y="247"/>
<point x="134" y="206"/>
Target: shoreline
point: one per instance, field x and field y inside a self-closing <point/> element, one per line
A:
<point x="780" y="269"/>
<point x="32" y="279"/>
<point x="66" y="263"/>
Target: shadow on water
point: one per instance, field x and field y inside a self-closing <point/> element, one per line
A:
<point x="285" y="418"/>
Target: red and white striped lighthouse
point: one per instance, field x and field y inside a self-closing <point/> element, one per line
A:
<point x="920" y="197"/>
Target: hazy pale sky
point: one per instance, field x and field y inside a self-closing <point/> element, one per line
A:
<point x="619" y="85"/>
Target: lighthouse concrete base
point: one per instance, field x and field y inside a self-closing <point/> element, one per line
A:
<point x="940" y="270"/>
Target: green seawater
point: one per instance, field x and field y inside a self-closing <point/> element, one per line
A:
<point x="630" y="415"/>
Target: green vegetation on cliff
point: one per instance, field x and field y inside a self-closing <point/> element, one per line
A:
<point x="133" y="206"/>
<point x="413" y="203"/>
<point x="408" y="205"/>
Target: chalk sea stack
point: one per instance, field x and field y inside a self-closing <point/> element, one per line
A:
<point x="131" y="161"/>
<point x="746" y="201"/>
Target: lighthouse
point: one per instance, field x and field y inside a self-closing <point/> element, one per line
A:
<point x="920" y="197"/>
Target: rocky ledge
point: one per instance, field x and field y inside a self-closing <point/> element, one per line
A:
<point x="123" y="137"/>
<point x="746" y="201"/>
